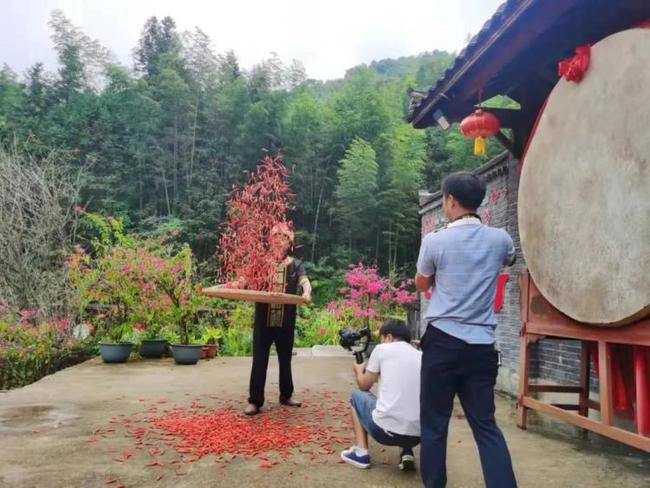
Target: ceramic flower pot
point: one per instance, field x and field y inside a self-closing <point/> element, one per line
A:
<point x="186" y="353"/>
<point x="153" y="348"/>
<point x="115" y="353"/>
<point x="209" y="351"/>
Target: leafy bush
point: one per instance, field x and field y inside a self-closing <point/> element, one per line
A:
<point x="237" y="337"/>
<point x="139" y="285"/>
<point x="316" y="326"/>
<point x="326" y="280"/>
<point x="32" y="347"/>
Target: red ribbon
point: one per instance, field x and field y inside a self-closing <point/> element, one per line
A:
<point x="574" y="68"/>
<point x="498" y="298"/>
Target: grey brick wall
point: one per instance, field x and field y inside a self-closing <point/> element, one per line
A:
<point x="552" y="360"/>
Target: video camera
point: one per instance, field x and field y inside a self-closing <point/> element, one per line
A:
<point x="356" y="341"/>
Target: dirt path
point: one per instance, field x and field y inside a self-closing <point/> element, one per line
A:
<point x="79" y="428"/>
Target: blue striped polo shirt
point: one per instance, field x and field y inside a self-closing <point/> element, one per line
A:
<point x="465" y="259"/>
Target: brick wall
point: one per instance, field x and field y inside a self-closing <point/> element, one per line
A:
<point x="551" y="360"/>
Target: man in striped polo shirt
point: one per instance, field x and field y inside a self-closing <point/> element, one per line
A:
<point x="461" y="264"/>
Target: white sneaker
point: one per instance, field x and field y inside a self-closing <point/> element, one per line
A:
<point x="406" y="460"/>
<point x="353" y="457"/>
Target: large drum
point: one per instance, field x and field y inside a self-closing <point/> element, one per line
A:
<point x="584" y="194"/>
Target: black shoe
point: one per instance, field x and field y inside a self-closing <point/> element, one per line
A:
<point x="290" y="402"/>
<point x="406" y="460"/>
<point x="251" y="410"/>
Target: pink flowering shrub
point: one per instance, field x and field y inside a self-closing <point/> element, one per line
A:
<point x="141" y="286"/>
<point x="368" y="298"/>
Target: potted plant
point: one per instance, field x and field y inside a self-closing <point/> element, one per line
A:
<point x="115" y="290"/>
<point x="152" y="345"/>
<point x="115" y="345"/>
<point x="210" y="338"/>
<point x="170" y="337"/>
<point x="106" y="284"/>
<point x="171" y="273"/>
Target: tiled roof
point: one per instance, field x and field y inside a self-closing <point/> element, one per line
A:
<point x="419" y="99"/>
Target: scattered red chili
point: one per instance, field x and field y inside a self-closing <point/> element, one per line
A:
<point x="217" y="427"/>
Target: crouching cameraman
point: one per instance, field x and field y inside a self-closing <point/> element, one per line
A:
<point x="392" y="417"/>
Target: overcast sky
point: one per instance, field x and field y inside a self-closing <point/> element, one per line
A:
<point x="328" y="36"/>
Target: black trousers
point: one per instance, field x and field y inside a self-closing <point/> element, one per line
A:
<point x="452" y="367"/>
<point x="263" y="337"/>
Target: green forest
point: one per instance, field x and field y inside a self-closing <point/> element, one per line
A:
<point x="160" y="143"/>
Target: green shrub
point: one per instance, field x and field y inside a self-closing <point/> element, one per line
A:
<point x="32" y="347"/>
<point x="237" y="336"/>
<point x="316" y="326"/>
<point x="325" y="282"/>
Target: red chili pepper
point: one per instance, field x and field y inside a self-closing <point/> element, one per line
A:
<point x="271" y="438"/>
<point x="253" y="209"/>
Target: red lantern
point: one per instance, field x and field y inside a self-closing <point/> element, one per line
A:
<point x="478" y="126"/>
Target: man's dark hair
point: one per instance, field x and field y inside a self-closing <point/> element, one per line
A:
<point x="397" y="328"/>
<point x="465" y="187"/>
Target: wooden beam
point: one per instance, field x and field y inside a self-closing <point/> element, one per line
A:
<point x="637" y="334"/>
<point x="524" y="350"/>
<point x="505" y="142"/>
<point x="593" y="405"/>
<point x="605" y="383"/>
<point x="566" y="406"/>
<point x="585" y="368"/>
<point x="509" y="118"/>
<point x="524" y="371"/>
<point x="554" y="389"/>
<point x="616" y="433"/>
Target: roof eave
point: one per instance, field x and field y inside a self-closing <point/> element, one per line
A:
<point x="440" y="94"/>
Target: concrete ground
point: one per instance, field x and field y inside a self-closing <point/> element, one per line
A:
<point x="55" y="433"/>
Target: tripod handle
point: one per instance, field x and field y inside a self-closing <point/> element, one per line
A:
<point x="358" y="357"/>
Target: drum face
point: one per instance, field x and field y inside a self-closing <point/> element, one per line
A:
<point x="584" y="194"/>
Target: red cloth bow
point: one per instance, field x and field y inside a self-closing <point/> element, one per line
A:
<point x="574" y="68"/>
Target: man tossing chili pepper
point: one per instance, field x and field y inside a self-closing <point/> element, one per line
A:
<point x="275" y="323"/>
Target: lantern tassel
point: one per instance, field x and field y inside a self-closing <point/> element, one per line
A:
<point x="479" y="146"/>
